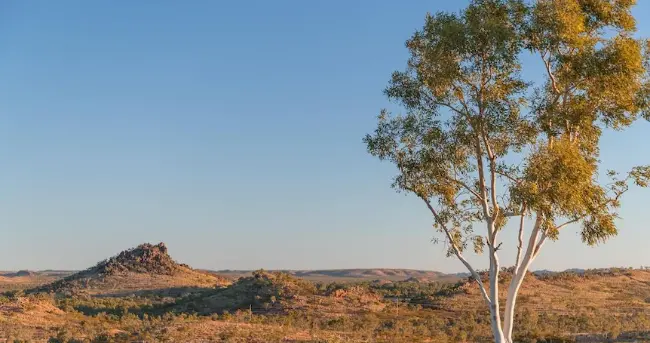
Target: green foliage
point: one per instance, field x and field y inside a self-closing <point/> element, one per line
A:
<point x="471" y="119"/>
<point x="412" y="289"/>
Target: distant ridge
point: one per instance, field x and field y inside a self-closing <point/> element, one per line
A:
<point x="154" y="260"/>
<point x="356" y="274"/>
<point x="387" y="274"/>
<point x="20" y="273"/>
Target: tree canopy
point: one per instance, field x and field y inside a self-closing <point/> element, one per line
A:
<point x="480" y="143"/>
<point x="468" y="109"/>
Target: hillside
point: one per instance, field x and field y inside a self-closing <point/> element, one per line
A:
<point x="146" y="267"/>
<point x="277" y="292"/>
<point x="616" y="290"/>
<point x="584" y="306"/>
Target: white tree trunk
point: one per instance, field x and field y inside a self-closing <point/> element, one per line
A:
<point x="498" y="334"/>
<point x="495" y="319"/>
<point x="495" y="312"/>
<point x="509" y="311"/>
<point x="518" y="278"/>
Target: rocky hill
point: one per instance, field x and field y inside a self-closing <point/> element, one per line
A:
<point x="143" y="268"/>
<point x="145" y="258"/>
<point x="278" y="292"/>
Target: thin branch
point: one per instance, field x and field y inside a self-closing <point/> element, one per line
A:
<point x="493" y="189"/>
<point x="517" y="181"/>
<point x="532" y="244"/>
<point x="493" y="185"/>
<point x="490" y="154"/>
<point x="467" y="111"/>
<point x="544" y="237"/>
<point x="547" y="64"/>
<point x="479" y="161"/>
<point x="481" y="177"/>
<point x="521" y="238"/>
<point x="479" y="156"/>
<point x="469" y="189"/>
<point x="493" y="175"/>
<point x="571" y="221"/>
<point x="604" y="204"/>
<point x="493" y="167"/>
<point x="456" y="250"/>
<point x="450" y="107"/>
<point x="511" y="213"/>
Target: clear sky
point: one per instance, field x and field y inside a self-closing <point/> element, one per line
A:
<point x="230" y="130"/>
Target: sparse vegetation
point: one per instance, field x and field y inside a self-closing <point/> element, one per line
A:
<point x="280" y="307"/>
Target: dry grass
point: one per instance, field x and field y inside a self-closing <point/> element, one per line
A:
<point x="627" y="292"/>
<point x="142" y="295"/>
<point x="24" y="282"/>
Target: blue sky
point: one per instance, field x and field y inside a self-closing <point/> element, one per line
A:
<point x="229" y="130"/>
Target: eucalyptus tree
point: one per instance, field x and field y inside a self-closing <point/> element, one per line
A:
<point x="481" y="145"/>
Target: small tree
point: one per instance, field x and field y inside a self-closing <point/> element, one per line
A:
<point x="481" y="145"/>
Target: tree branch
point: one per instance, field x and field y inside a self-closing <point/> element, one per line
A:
<point x="520" y="238"/>
<point x="511" y="213"/>
<point x="457" y="251"/>
<point x="486" y="141"/>
<point x="493" y="189"/>
<point x="532" y="244"/>
<point x="493" y="185"/>
<point x="481" y="182"/>
<point x="508" y="177"/>
<point x="538" y="246"/>
<point x="469" y="189"/>
<point x="482" y="194"/>
<point x="450" y="107"/>
<point x="604" y="204"/>
<point x="571" y="221"/>
<point x="547" y="64"/>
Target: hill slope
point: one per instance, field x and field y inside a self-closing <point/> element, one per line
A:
<point x="146" y="267"/>
<point x="277" y="292"/>
<point x="586" y="306"/>
<point x="621" y="291"/>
